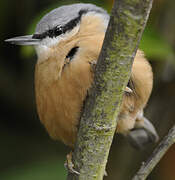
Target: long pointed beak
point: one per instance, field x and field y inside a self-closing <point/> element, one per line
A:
<point x="24" y="40"/>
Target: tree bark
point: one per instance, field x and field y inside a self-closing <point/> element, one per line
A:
<point x="99" y="118"/>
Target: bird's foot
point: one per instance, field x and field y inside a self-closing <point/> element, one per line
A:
<point x="69" y="164"/>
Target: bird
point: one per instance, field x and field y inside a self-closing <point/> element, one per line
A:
<point x="68" y="41"/>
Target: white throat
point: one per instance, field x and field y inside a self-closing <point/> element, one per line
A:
<point x="44" y="49"/>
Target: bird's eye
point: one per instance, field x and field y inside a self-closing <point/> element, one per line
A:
<point x="58" y="31"/>
<point x="55" y="32"/>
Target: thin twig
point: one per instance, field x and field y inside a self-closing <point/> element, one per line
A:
<point x="156" y="156"/>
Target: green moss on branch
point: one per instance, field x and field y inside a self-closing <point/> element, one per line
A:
<point x="98" y="121"/>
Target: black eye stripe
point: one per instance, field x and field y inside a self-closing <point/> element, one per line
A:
<point x="58" y="30"/>
<point x="50" y="33"/>
<point x="38" y="36"/>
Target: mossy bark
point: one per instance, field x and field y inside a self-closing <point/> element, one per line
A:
<point x="99" y="118"/>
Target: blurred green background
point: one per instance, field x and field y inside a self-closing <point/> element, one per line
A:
<point x="26" y="151"/>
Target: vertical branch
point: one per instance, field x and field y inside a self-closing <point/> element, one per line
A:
<point x="158" y="153"/>
<point x="99" y="118"/>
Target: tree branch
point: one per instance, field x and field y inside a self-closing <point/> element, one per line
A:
<point x="98" y="120"/>
<point x="156" y="156"/>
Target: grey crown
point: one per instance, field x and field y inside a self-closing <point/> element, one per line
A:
<point x="62" y="15"/>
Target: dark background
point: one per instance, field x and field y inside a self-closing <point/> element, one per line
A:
<point x="26" y="151"/>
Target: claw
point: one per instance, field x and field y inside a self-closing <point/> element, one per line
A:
<point x="105" y="173"/>
<point x="69" y="165"/>
<point x="93" y="65"/>
<point x="128" y="90"/>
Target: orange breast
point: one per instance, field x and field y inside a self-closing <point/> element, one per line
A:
<point x="60" y="92"/>
<point x="59" y="101"/>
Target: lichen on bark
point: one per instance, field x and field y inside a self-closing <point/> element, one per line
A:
<point x="99" y="118"/>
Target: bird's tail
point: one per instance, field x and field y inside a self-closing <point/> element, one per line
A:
<point x="143" y="133"/>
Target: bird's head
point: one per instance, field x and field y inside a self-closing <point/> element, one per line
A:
<point x="60" y="32"/>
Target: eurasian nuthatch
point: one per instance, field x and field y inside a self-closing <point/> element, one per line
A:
<point x="68" y="41"/>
